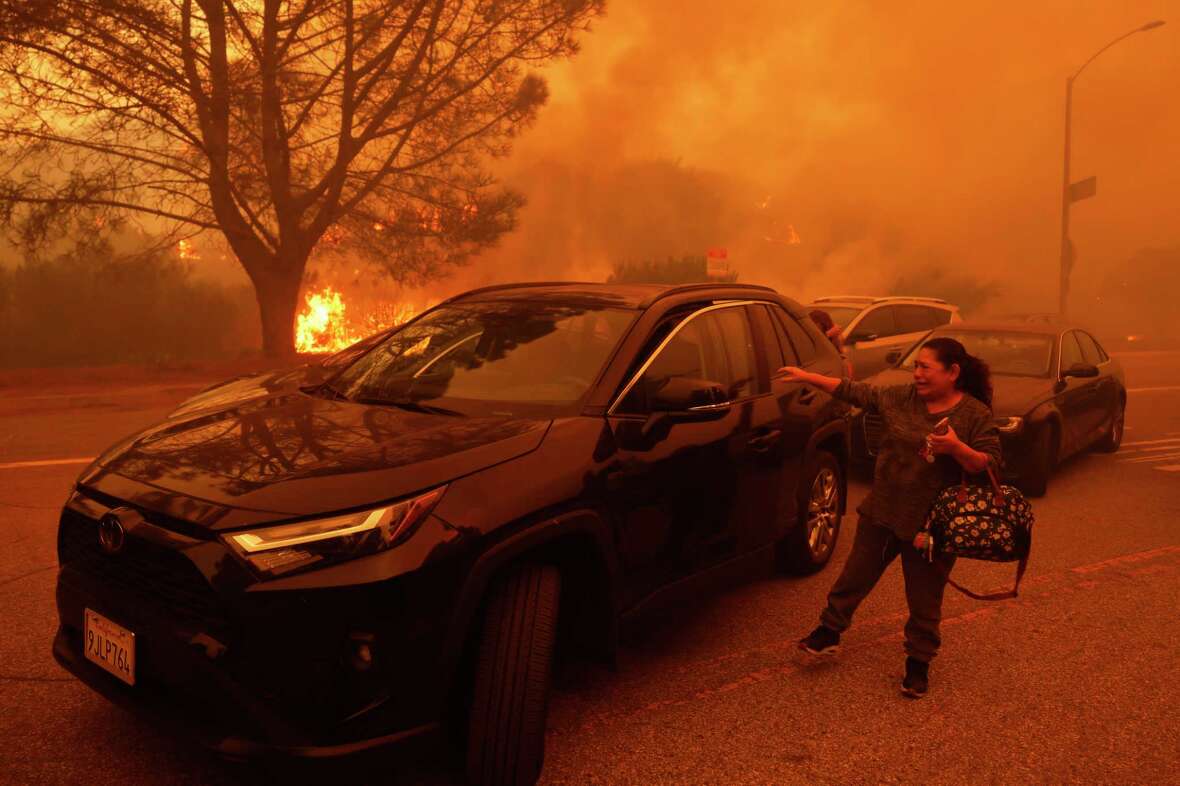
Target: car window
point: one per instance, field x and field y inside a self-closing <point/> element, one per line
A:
<point x="794" y="336"/>
<point x="940" y="316"/>
<point x="738" y="342"/>
<point x="914" y="319"/>
<point x="1071" y="353"/>
<point x="841" y="315"/>
<point x="879" y="322"/>
<point x="779" y="351"/>
<point x="716" y="346"/>
<point x="1090" y="349"/>
<point x="1007" y="353"/>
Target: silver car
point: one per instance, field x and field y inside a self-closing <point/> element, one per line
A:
<point x="875" y="327"/>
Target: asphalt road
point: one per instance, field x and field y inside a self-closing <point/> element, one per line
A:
<point x="1077" y="681"/>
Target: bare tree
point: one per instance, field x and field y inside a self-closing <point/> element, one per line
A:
<point x="279" y="123"/>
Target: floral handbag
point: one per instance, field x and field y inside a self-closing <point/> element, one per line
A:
<point x="989" y="523"/>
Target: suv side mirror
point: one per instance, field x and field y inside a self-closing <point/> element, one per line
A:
<point x="1080" y="370"/>
<point x="688" y="398"/>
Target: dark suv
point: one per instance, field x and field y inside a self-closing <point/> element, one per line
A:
<point x="325" y="569"/>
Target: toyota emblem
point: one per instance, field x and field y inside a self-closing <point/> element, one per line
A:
<point x="111" y="534"/>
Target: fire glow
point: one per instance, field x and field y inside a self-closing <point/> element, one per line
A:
<point x="324" y="324"/>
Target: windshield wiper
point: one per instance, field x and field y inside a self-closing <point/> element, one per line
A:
<point x="408" y="404"/>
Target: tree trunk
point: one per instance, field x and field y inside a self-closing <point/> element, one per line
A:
<point x="278" y="300"/>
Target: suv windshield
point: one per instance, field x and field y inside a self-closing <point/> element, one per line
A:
<point x="1008" y="354"/>
<point x="504" y="353"/>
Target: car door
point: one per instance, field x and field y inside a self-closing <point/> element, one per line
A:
<point x="799" y="407"/>
<point x="873" y="337"/>
<point x="1106" y="389"/>
<point x="674" y="489"/>
<point x="1075" y="396"/>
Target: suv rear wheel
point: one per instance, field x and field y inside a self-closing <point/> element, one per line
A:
<point x="809" y="545"/>
<point x="506" y="729"/>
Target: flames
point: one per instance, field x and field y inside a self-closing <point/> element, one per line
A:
<point x="324" y="325"/>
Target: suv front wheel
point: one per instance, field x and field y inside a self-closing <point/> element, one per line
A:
<point x="809" y="544"/>
<point x="506" y="730"/>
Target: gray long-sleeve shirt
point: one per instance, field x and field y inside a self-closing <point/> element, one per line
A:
<point x="904" y="483"/>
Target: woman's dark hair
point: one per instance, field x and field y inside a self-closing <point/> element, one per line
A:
<point x="823" y="319"/>
<point x="975" y="377"/>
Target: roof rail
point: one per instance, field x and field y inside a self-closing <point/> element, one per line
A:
<point x="910" y="297"/>
<point x="682" y="288"/>
<point x="517" y="285"/>
<point x="852" y="298"/>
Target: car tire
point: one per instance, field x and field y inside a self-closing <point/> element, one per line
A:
<point x="1044" y="460"/>
<point x="506" y="726"/>
<point x="1113" y="437"/>
<point x="810" y="543"/>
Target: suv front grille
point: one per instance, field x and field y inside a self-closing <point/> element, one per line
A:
<point x="874" y="428"/>
<point x="160" y="578"/>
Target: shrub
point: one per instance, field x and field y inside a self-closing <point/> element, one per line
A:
<point x="94" y="309"/>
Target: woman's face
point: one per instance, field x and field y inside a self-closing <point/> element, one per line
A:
<point x="932" y="379"/>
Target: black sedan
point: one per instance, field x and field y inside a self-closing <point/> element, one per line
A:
<point x="1057" y="392"/>
<point x="400" y="545"/>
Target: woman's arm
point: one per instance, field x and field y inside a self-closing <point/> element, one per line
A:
<point x="984" y="448"/>
<point x="824" y="383"/>
<point x="856" y="393"/>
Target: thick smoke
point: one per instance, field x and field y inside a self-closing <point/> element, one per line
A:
<point x="892" y="140"/>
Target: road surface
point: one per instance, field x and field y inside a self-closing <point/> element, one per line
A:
<point x="1077" y="681"/>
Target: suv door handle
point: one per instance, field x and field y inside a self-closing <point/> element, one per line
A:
<point x="765" y="442"/>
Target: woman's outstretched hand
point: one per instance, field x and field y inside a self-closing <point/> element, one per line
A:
<point x="794" y="372"/>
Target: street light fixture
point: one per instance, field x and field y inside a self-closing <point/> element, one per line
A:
<point x="1073" y="192"/>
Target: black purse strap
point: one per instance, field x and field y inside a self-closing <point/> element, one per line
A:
<point x="1005" y="595"/>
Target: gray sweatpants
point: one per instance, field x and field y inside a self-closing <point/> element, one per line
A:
<point x="873" y="549"/>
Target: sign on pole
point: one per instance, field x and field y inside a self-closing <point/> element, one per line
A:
<point x="717" y="263"/>
<point x="1083" y="189"/>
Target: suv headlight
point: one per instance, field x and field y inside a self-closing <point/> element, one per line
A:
<point x="283" y="548"/>
<point x="1009" y="425"/>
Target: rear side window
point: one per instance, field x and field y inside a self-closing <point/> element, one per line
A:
<point x="879" y="322"/>
<point x="914" y="319"/>
<point x="794" y="336"/>
<point x="779" y="351"/>
<point x="941" y="316"/>
<point x="1090" y="349"/>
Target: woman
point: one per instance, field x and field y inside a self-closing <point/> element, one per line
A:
<point x="829" y="328"/>
<point x="913" y="466"/>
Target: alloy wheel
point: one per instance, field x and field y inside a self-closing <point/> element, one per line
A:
<point x="822" y="512"/>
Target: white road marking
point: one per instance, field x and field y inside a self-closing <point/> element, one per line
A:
<point x="46" y="463"/>
<point x="1153" y="389"/>
<point x="1152" y="441"/>
<point x="1154" y="449"/>
<point x="1149" y="459"/>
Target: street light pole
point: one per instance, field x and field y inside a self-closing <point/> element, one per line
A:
<point x="1067" y="257"/>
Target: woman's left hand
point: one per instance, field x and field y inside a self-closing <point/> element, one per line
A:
<point x="944" y="444"/>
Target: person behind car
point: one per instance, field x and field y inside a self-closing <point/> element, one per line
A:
<point x="828" y="326"/>
<point x="913" y="466"/>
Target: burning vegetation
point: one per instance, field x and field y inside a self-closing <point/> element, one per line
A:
<point x="325" y="324"/>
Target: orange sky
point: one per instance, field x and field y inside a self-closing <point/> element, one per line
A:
<point x="889" y="138"/>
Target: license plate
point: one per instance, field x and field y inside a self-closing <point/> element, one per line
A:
<point x="110" y="646"/>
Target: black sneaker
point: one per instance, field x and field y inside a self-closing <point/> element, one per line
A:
<point x="821" y="641"/>
<point x="917" y="678"/>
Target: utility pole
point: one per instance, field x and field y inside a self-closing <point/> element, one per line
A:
<point x="1083" y="189"/>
